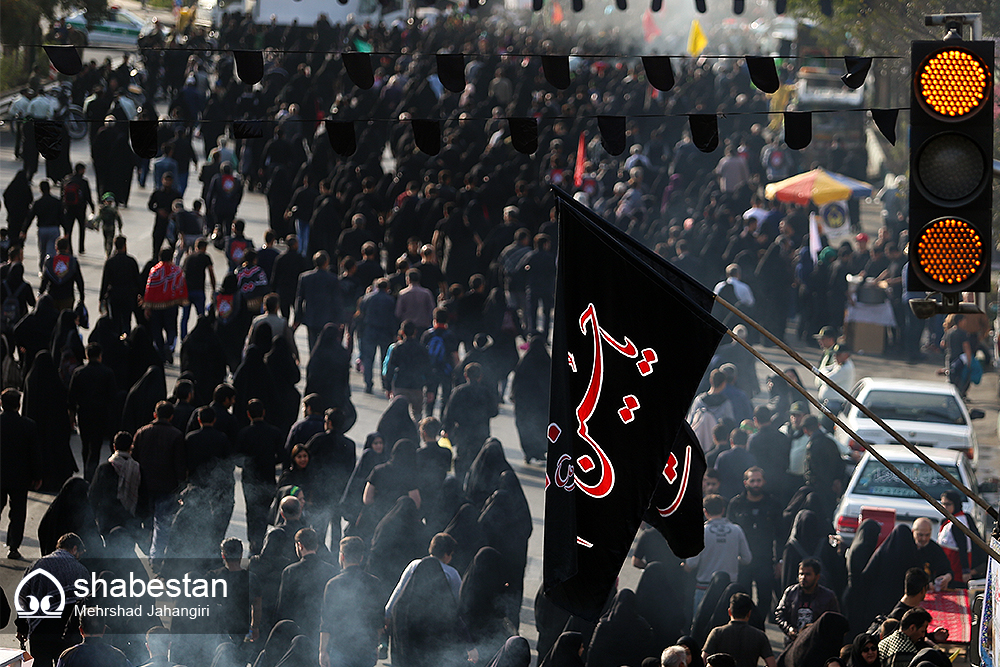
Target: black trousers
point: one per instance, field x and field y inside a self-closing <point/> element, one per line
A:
<point x="16" y="516"/>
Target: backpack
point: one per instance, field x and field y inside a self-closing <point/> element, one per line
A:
<point x="237" y="249"/>
<point x="73" y="194"/>
<point x="10" y="310"/>
<point x="438" y="353"/>
<point x="703" y="423"/>
<point x="228" y="184"/>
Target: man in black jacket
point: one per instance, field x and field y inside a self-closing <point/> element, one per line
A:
<point x="467" y="418"/>
<point x="407" y="370"/>
<point x="76" y="197"/>
<point x="297" y="598"/>
<point x="209" y="455"/>
<point x="48" y="210"/>
<point x="121" y="285"/>
<point x="161" y="203"/>
<point x="20" y="466"/>
<point x="759" y="515"/>
<point x="260" y="446"/>
<point x="331" y="457"/>
<point x="353" y="612"/>
<point x="287" y="268"/>
<point x="92" y="390"/>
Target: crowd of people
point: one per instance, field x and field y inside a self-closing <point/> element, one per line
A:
<point x="434" y="277"/>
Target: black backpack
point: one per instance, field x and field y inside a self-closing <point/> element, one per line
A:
<point x="11" y="310"/>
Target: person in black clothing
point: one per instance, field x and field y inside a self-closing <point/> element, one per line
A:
<point x="114" y="493"/>
<point x="286" y="270"/>
<point x="353" y="612"/>
<point x="93" y="650"/>
<point x="331" y="458"/>
<point x="20" y="466"/>
<point x="76" y="197"/>
<point x="759" y="515"/>
<point x="182" y="397"/>
<point x="442" y="350"/>
<point x="60" y="272"/>
<point x="92" y="390"/>
<point x="259" y="445"/>
<point x="771" y="448"/>
<point x="467" y="417"/>
<point x="47" y="209"/>
<point x="539" y="268"/>
<point x="297" y="598"/>
<point x="161" y="203"/>
<point x="121" y="285"/>
<point x="407" y="369"/>
<point x="824" y="466"/>
<point x="433" y="466"/>
<point x="207" y="452"/>
<point x="300" y="208"/>
<point x="235" y="615"/>
<point x="277" y="553"/>
<point x="17" y="200"/>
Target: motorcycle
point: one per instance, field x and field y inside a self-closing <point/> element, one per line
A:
<point x="70" y="114"/>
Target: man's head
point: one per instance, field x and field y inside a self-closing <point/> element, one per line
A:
<point x="753" y="481"/>
<point x="271" y="303"/>
<point x="224" y="394"/>
<point x="206" y="415"/>
<point x="306" y="542"/>
<point x="473" y="372"/>
<point x="914" y="624"/>
<point x="255" y="409"/>
<point x="797" y="413"/>
<point x="922" y="529"/>
<point x="122" y="441"/>
<point x="809" y="571"/>
<point x="761" y="416"/>
<point x="827" y="337"/>
<point x="72" y="543"/>
<point x="321" y="259"/>
<point x="740" y="607"/>
<point x="413" y="277"/>
<point x="673" y="656"/>
<point x="62" y="245"/>
<point x="710" y="482"/>
<point x="91" y="623"/>
<point x="430" y="428"/>
<point x="442" y="547"/>
<point x="810" y="425"/>
<point x="10" y="400"/>
<point x="164" y="411"/>
<point x="290" y="508"/>
<point x="232" y="550"/>
<point x="312" y="404"/>
<point x="408" y="329"/>
<point x="165" y="255"/>
<point x="352" y="551"/>
<point x="717" y="380"/>
<point x="158" y="641"/>
<point x="167" y="181"/>
<point x="841" y="352"/>
<point x="738" y="438"/>
<point x="916" y="582"/>
<point x="714" y="506"/>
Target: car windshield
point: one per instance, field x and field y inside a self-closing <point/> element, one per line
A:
<point x="877" y="480"/>
<point x="913" y="406"/>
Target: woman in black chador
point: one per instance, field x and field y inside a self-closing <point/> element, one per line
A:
<point x="529" y="392"/>
<point x="46" y="402"/>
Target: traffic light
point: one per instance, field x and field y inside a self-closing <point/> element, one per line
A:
<point x="951" y="149"/>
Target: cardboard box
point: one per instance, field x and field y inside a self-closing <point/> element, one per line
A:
<point x="866" y="338"/>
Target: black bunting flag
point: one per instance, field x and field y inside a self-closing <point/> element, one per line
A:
<point x="630" y="345"/>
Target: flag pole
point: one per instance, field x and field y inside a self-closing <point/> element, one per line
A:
<point x="864" y="410"/>
<point x="881" y="459"/>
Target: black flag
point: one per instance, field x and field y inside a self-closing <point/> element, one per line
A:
<point x="632" y="338"/>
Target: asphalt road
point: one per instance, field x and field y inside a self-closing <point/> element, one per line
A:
<point x="138" y="225"/>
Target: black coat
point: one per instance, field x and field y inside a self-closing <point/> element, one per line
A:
<point x="20" y="455"/>
<point x="297" y="594"/>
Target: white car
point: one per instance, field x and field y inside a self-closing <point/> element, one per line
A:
<point x="120" y="28"/>
<point x="874" y="485"/>
<point x="927" y="414"/>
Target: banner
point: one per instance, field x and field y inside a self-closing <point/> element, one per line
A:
<point x="632" y="338"/>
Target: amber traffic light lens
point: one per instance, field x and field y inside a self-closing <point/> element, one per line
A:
<point x="950" y="251"/>
<point x="953" y="83"/>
